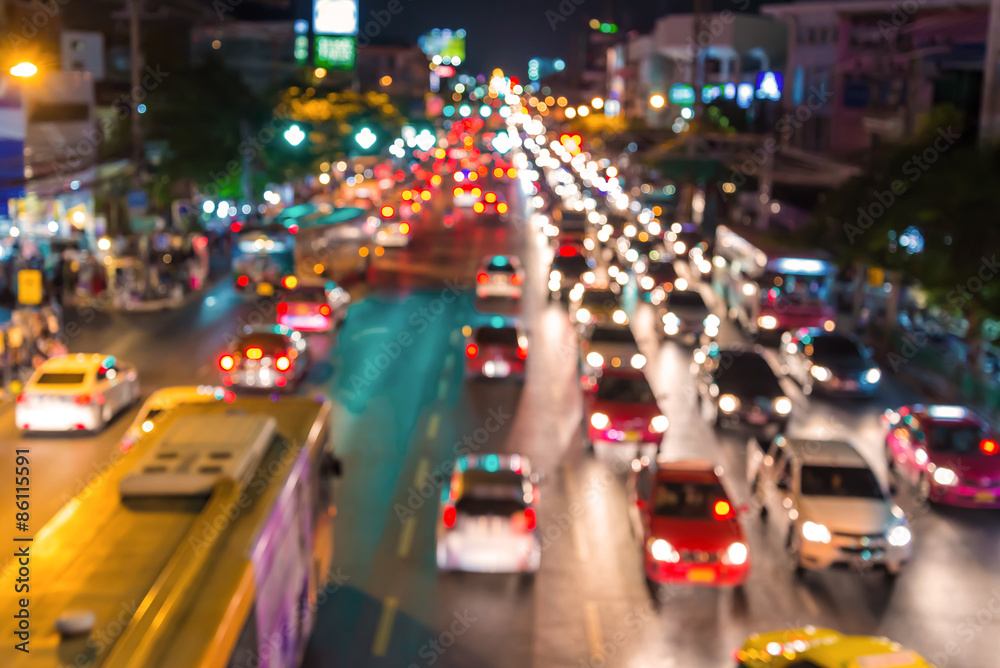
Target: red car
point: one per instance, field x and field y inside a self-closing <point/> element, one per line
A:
<point x="496" y="352"/>
<point x="947" y="452"/>
<point x="688" y="524"/>
<point x="620" y="407"/>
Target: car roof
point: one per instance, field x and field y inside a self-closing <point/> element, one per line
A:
<point x="818" y="452"/>
<point x="939" y="415"/>
<point x="493" y="462"/>
<point x="75" y="363"/>
<point x="168" y="397"/>
<point x="687" y="468"/>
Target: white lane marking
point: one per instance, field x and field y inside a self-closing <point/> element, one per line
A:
<point x="432" y="426"/>
<point x="593" y="623"/>
<point x="370" y="330"/>
<point x="456" y="335"/>
<point x="449" y="362"/>
<point x="442" y="388"/>
<point x="406" y="537"/>
<point x="384" y="630"/>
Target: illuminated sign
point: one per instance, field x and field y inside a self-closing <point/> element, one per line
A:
<point x="681" y="94"/>
<point x="801" y="266"/>
<point x="769" y="85"/>
<point x="744" y="95"/>
<point x="709" y="93"/>
<point x="729" y="91"/>
<point x="447" y="45"/>
<point x="335" y="53"/>
<point x="445" y="71"/>
<point x="335" y="17"/>
<point x="301" y="49"/>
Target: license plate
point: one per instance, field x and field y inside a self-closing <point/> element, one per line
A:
<point x="756" y="418"/>
<point x="265" y="289"/>
<point x="701" y="575"/>
<point x="985" y="497"/>
<point x="631" y="436"/>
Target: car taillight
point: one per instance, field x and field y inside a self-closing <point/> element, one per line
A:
<point x="478" y="207"/>
<point x="388" y="211"/>
<point x="324" y="310"/>
<point x="491" y="197"/>
<point x="404" y="228"/>
<point x="988" y="446"/>
<point x="226" y="362"/>
<point x="82" y="399"/>
<point x="516" y="279"/>
<point x="289" y="282"/>
<point x="529" y="519"/>
<point x="456" y="192"/>
<point x="282" y="363"/>
<point x="501" y="208"/>
<point x="449" y="516"/>
<point x="471" y="350"/>
<point x="243" y="281"/>
<point x="721" y="510"/>
<point x="22" y="398"/>
<point x="482" y="277"/>
<point x="476" y="192"/>
<point x="282" y="308"/>
<point x="254" y="353"/>
<point x="522" y="353"/>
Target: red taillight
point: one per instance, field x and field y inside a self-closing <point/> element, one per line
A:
<point x="404" y="228"/>
<point x="988" y="446"/>
<point x="529" y="519"/>
<point x="254" y="353"/>
<point x="82" y="399"/>
<point x="501" y="207"/>
<point x="387" y="211"/>
<point x="567" y="251"/>
<point x="282" y="308"/>
<point x="516" y="279"/>
<point x="449" y="516"/>
<point x="478" y="207"/>
<point x="289" y="282"/>
<point x="22" y="398"/>
<point x="482" y="277"/>
<point x="243" y="281"/>
<point x="293" y="228"/>
<point x="472" y="350"/>
<point x="522" y="353"/>
<point x="226" y="362"/>
<point x="456" y="192"/>
<point x="282" y="363"/>
<point x="324" y="310"/>
<point x="491" y="197"/>
<point x="721" y="510"/>
<point x="236" y="226"/>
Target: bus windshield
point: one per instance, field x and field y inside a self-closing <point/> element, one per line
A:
<point x="797" y="289"/>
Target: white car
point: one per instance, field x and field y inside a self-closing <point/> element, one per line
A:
<point x="488" y="522"/>
<point x="827" y="505"/>
<point x="78" y="392"/>
<point x="164" y="400"/>
<point x="500" y="276"/>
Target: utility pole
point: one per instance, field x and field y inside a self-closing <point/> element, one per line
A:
<point x="135" y="58"/>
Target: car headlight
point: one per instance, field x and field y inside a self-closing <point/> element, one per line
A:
<point x="681" y="284"/>
<point x="820" y="373"/>
<point x="621" y="278"/>
<point x="659" y="424"/>
<point x="728" y="403"/>
<point x="816" y="533"/>
<point x="661" y="550"/>
<point x="619" y="317"/>
<point x="899" y="536"/>
<point x="613" y="271"/>
<point x="582" y="315"/>
<point x="599" y="421"/>
<point x="638" y="361"/>
<point x="595" y="359"/>
<point x="782" y="405"/>
<point x="647" y="282"/>
<point x="767" y="322"/>
<point x="737" y="553"/>
<point x="671" y="319"/>
<point x="555" y="275"/>
<point x="946" y="477"/>
<point x="711" y="320"/>
<point x="679" y="247"/>
<point x="873" y="376"/>
<point x="588" y="277"/>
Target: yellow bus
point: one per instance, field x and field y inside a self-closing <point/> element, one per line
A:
<point x="205" y="547"/>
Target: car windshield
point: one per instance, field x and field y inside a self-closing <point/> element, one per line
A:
<point x="747" y="375"/>
<point x="60" y="379"/>
<point x="478" y="507"/>
<point x="834" y="347"/>
<point x="506" y="336"/>
<point x="612" y="335"/>
<point x="626" y="390"/>
<point x="573" y="265"/>
<point x="662" y="271"/>
<point x="686" y="299"/>
<point x="501" y="265"/>
<point x="268" y="343"/>
<point x="962" y="440"/>
<point x="600" y="299"/>
<point x="309" y="295"/>
<point x="686" y="500"/>
<point x="846" y="481"/>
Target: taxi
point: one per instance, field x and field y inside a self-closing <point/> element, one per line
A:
<point x="812" y="647"/>
<point x="78" y="392"/>
<point x="948" y="453"/>
<point x="161" y="402"/>
<point x="621" y="408"/>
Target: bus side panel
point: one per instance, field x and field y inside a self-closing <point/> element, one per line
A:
<point x="282" y="558"/>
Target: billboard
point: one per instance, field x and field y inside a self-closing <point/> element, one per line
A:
<point x="335" y="52"/>
<point x="335" y="17"/>
<point x="444" y="43"/>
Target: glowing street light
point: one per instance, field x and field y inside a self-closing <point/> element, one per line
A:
<point x="294" y="135"/>
<point x="24" y="69"/>
<point x="657" y="101"/>
<point x="365" y="138"/>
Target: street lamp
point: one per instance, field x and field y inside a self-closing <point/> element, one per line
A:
<point x="365" y="138"/>
<point x="294" y="135"/>
<point x="24" y="69"/>
<point x="657" y="101"/>
<point x="597" y="103"/>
